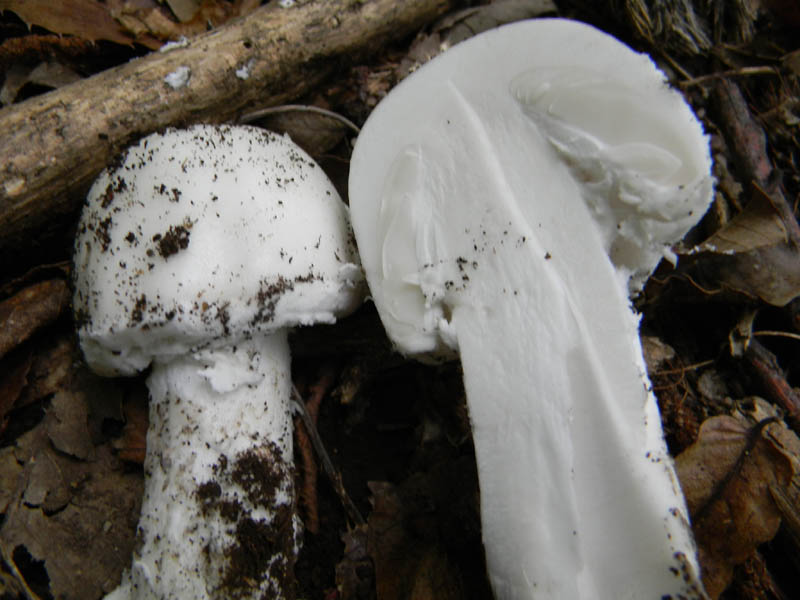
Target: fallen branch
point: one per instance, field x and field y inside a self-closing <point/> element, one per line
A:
<point x="55" y="144"/>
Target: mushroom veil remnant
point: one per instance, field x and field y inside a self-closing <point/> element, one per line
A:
<point x="506" y="199"/>
<point x="195" y="254"/>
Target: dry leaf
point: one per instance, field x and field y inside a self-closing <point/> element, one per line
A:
<point x="132" y="445"/>
<point x="461" y="25"/>
<point x="46" y="74"/>
<point x="727" y="476"/>
<point x="355" y="573"/>
<point x="82" y="532"/>
<point x="87" y="19"/>
<point x="185" y="10"/>
<point x="29" y="310"/>
<point x="410" y="564"/>
<point x="10" y="472"/>
<point x="757" y="254"/>
<point x="314" y="129"/>
<point x="458" y="26"/>
<point x="150" y="23"/>
<point x="66" y="423"/>
<point x="13" y="378"/>
<point x="785" y="441"/>
<point x="51" y="368"/>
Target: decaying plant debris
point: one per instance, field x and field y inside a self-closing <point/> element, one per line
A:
<point x="393" y="512"/>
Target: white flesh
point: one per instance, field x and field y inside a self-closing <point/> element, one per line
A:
<point x="488" y="226"/>
<point x="204" y="500"/>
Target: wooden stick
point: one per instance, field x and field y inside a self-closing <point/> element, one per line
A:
<point x="52" y="146"/>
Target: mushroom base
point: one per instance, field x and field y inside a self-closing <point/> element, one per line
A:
<point x="218" y="516"/>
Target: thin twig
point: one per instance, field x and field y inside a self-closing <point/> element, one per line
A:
<point x="260" y="114"/>
<point x="770" y="333"/>
<point x="327" y="465"/>
<point x="692" y="367"/>
<point x="743" y="72"/>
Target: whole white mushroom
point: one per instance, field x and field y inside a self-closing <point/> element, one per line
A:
<point x="195" y="254"/>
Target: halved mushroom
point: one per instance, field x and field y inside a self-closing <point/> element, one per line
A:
<point x="506" y="198"/>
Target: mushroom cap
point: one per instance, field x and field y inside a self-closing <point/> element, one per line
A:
<point x="549" y="110"/>
<point x="202" y="236"/>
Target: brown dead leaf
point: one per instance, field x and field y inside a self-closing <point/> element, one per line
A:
<point x="81" y="528"/>
<point x="315" y="130"/>
<point x="355" y="573"/>
<point x="67" y="425"/>
<point x="51" y="368"/>
<point x="458" y="26"/>
<point x="727" y="476"/>
<point x="49" y="478"/>
<point x="132" y="445"/>
<point x="792" y="62"/>
<point x="87" y="19"/>
<point x="185" y="10"/>
<point x="757" y="254"/>
<point x="461" y="25"/>
<point x="29" y="310"/>
<point x="151" y="23"/>
<point x="759" y="225"/>
<point x="14" y="371"/>
<point x="46" y="74"/>
<point x="410" y="562"/>
<point x="785" y="441"/>
<point x="10" y="471"/>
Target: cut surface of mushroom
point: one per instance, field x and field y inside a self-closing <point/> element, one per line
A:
<point x="195" y="254"/>
<point x="506" y="198"/>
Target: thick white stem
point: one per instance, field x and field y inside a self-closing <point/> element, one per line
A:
<point x="579" y="499"/>
<point x="218" y="518"/>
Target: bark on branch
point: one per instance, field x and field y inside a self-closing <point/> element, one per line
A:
<point x="52" y="146"/>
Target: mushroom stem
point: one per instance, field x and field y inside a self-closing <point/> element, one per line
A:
<point x="219" y="488"/>
<point x="573" y="487"/>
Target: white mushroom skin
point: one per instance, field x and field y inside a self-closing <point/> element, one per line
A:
<point x="506" y="198"/>
<point x="195" y="254"/>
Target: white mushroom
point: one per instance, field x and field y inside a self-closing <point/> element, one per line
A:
<point x="505" y="197"/>
<point x="195" y="254"/>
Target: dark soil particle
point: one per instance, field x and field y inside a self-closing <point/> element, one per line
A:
<point x="138" y="309"/>
<point x="260" y="475"/>
<point x="207" y="494"/>
<point x="267" y="298"/>
<point x="101" y="233"/>
<point x="261" y="550"/>
<point x="230" y="510"/>
<point x="112" y="189"/>
<point x="174" y="240"/>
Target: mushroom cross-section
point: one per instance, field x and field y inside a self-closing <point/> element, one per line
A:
<point x="195" y="254"/>
<point x="506" y="198"/>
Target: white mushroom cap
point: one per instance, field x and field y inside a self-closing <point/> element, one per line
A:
<point x="637" y="155"/>
<point x="208" y="233"/>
